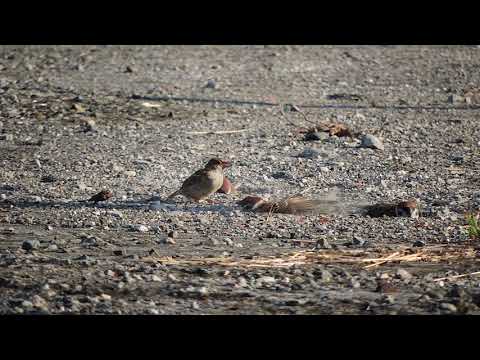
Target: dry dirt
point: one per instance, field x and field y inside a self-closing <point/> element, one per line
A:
<point x="139" y="119"/>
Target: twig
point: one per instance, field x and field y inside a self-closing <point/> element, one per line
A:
<point x="457" y="276"/>
<point x="215" y="132"/>
<point x="387" y="259"/>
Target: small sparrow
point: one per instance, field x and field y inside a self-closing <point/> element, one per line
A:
<point x="290" y="205"/>
<point x="407" y="208"/>
<point x="103" y="195"/>
<point x="203" y="182"/>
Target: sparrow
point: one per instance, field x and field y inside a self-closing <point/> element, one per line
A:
<point x="203" y="182"/>
<point x="290" y="205"/>
<point x="407" y="208"/>
<point x="103" y="195"/>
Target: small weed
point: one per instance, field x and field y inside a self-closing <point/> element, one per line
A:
<point x="473" y="226"/>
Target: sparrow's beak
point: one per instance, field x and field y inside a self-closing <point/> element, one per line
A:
<point x="226" y="164"/>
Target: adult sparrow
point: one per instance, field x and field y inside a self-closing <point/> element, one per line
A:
<point x="407" y="208"/>
<point x="203" y="182"/>
<point x="101" y="196"/>
<point x="290" y="205"/>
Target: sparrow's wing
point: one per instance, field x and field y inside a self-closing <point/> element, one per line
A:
<point x="300" y="205"/>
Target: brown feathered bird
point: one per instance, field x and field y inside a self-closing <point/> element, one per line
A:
<point x="290" y="205"/>
<point x="203" y="182"/>
<point x="103" y="195"/>
<point x="407" y="208"/>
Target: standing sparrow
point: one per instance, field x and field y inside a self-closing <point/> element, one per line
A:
<point x="407" y="208"/>
<point x="203" y="182"/>
<point x="101" y="196"/>
<point x="290" y="205"/>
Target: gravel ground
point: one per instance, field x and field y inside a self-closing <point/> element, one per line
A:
<point x="139" y="120"/>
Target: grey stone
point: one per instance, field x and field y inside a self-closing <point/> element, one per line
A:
<point x="30" y="245"/>
<point x="309" y="153"/>
<point x="370" y="141"/>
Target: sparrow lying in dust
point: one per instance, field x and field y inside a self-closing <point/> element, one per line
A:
<point x="103" y="195"/>
<point x="203" y="182"/>
<point x="407" y="208"/>
<point x="290" y="205"/>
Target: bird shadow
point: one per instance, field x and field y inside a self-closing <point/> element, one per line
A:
<point x="140" y="204"/>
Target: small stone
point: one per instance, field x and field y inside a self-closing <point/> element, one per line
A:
<point x="172" y="277"/>
<point x="172" y="234"/>
<point x="52" y="247"/>
<point x="266" y="280"/>
<point x="324" y="169"/>
<point x="139" y="228"/>
<point x="316" y="136"/>
<point x="129" y="69"/>
<point x="30" y="245"/>
<point x="105" y="297"/>
<point x="309" y="153"/>
<point x="6" y="137"/>
<point x="403" y="274"/>
<point x="358" y="241"/>
<point x="155" y="278"/>
<point x="195" y="305"/>
<point x="110" y="273"/>
<point x="228" y="241"/>
<point x="370" y="141"/>
<point x="39" y="302"/>
<point x="323" y="243"/>
<point x="169" y="240"/>
<point x="419" y="243"/>
<point x="242" y="282"/>
<point x="454" y="98"/>
<point x="448" y="307"/>
<point x="130" y="173"/>
<point x="48" y="179"/>
<point x="153" y="312"/>
<point x="212" y="241"/>
<point x="211" y="84"/>
<point x="119" y="252"/>
<point x="326" y="276"/>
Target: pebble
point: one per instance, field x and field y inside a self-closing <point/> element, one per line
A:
<point x="168" y="240"/>
<point x="195" y="305"/>
<point x="454" y="98"/>
<point x="172" y="234"/>
<point x="130" y="173"/>
<point x="242" y="282"/>
<point x="323" y="243"/>
<point x="316" y="136"/>
<point x="370" y="141"/>
<point x="326" y="276"/>
<point x="211" y="84"/>
<point x="419" y="243"/>
<point x="309" y="153"/>
<point x="139" y="228"/>
<point x="30" y="245"/>
<point x="358" y="241"/>
<point x="448" y="307"/>
<point x="403" y="274"/>
<point x="212" y="241"/>
<point x="155" y="278"/>
<point x="228" y="241"/>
